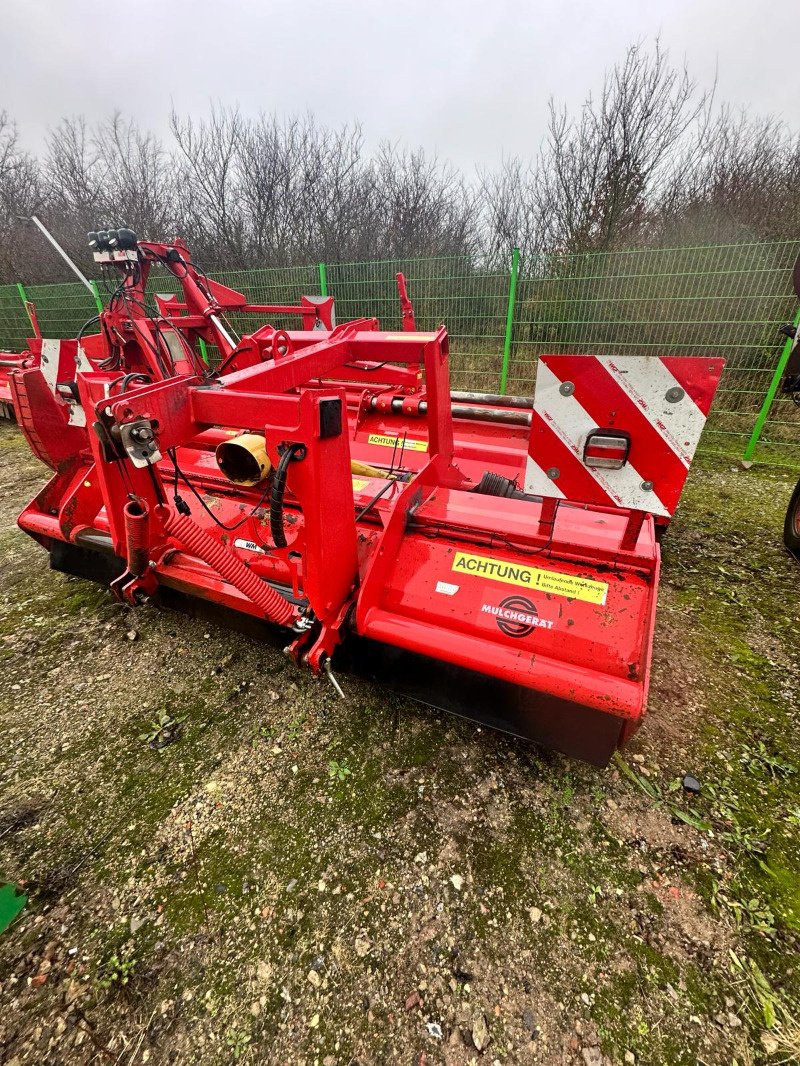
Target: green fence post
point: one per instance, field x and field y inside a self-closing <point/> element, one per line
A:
<point x="323" y="280"/>
<point x="97" y="300"/>
<point x="25" y="301"/>
<point x="512" y="296"/>
<point x="766" y="406"/>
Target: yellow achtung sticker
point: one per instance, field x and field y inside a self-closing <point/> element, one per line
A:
<point x="531" y="577"/>
<point x="390" y="442"/>
<point x="359" y="484"/>
<point x="410" y="337"/>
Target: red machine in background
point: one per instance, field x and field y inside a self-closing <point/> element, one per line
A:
<point x="326" y="480"/>
<point x="8" y="361"/>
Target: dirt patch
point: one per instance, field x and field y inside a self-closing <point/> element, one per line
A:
<point x="294" y="878"/>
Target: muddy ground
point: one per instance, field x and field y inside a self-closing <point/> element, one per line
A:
<point x="295" y="879"/>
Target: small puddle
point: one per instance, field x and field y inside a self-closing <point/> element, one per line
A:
<point x="11" y="903"/>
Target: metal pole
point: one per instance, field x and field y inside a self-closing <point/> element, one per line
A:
<point x="323" y="280"/>
<point x="512" y="295"/>
<point x="97" y="300"/>
<point x="491" y="398"/>
<point x="223" y="332"/>
<point x="25" y="301"/>
<point x="766" y="406"/>
<point x="60" y="251"/>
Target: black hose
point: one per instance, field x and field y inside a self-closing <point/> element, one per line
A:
<point x="492" y="484"/>
<point x="291" y="452"/>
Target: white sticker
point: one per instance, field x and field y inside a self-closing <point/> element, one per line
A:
<point x="249" y="546"/>
<point x="446" y="588"/>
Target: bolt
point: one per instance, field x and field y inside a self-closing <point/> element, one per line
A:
<point x="554" y="473"/>
<point x="647" y="486"/>
<point x="566" y="388"/>
<point x="674" y="395"/>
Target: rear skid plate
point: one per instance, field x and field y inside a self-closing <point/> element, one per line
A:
<point x="577" y="731"/>
<point x="570" y="728"/>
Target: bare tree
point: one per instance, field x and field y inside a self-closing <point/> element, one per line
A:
<point x="20" y="191"/>
<point x="210" y="181"/>
<point x="110" y="175"/>
<point x="303" y="189"/>
<point x="595" y="175"/>
<point x="743" y="184"/>
<point x="74" y="168"/>
<point x="138" y="186"/>
<point x="510" y="211"/>
<point x="421" y="206"/>
<point x="265" y="192"/>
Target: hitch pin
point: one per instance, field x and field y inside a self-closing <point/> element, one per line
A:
<point x="332" y="679"/>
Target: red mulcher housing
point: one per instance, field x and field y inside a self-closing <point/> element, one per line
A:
<point x="327" y="481"/>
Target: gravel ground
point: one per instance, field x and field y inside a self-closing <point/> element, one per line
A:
<point x="225" y="862"/>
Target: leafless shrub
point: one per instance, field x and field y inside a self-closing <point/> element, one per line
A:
<point x="596" y="174"/>
<point x="19" y="195"/>
<point x="743" y="183"/>
<point x="421" y="207"/>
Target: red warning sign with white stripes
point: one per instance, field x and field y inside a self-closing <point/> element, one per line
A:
<point x="618" y="430"/>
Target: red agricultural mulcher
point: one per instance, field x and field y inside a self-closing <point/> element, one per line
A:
<point x="494" y="557"/>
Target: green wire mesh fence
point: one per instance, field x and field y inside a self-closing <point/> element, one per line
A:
<point x="724" y="300"/>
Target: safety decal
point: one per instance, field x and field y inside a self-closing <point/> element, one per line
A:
<point x="249" y="546"/>
<point x="516" y="616"/>
<point x="660" y="403"/>
<point x="447" y="588"/>
<point x="531" y="577"/>
<point x="397" y="442"/>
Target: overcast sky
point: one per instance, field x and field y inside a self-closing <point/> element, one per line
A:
<point x="468" y="80"/>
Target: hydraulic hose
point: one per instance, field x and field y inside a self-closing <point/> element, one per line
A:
<point x="291" y="452"/>
<point x="228" y="565"/>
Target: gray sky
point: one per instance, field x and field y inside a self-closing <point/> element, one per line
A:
<point x="469" y="79"/>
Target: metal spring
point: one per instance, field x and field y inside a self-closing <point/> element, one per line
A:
<point x="230" y="566"/>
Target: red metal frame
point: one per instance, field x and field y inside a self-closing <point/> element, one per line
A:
<point x="554" y="599"/>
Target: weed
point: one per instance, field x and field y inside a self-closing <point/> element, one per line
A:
<point x="654" y="792"/>
<point x="338" y="771"/>
<point x="296" y="727"/>
<point x="116" y="969"/>
<point x="755" y="757"/>
<point x="238" y="1041"/>
<point x="162" y="730"/>
<point x="750" y="913"/>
